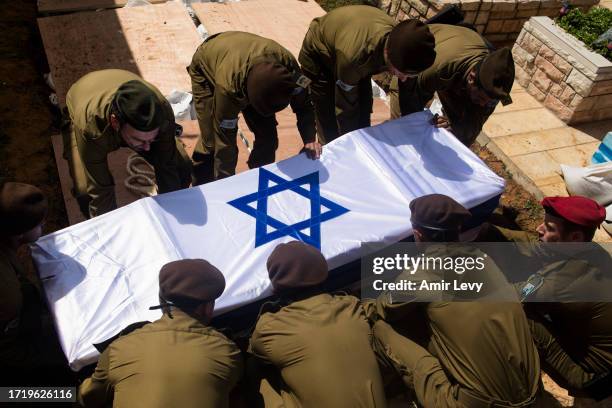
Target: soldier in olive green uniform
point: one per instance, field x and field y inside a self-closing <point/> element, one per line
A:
<point x="341" y="52"/>
<point x="472" y="353"/>
<point x="110" y="109"/>
<point x="573" y="336"/>
<point x="469" y="78"/>
<point x="319" y="344"/>
<point x="235" y="72"/>
<point x="176" y="361"/>
<point x="28" y="346"/>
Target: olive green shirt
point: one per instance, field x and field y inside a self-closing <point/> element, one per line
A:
<point x="349" y="41"/>
<point x="483" y="345"/>
<point x="322" y="348"/>
<point x="225" y="61"/>
<point x="458" y="51"/>
<point x="172" y="362"/>
<point x="88" y="102"/>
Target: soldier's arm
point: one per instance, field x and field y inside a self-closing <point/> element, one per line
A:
<point x="259" y="343"/>
<point x="225" y="128"/>
<point x="164" y="155"/>
<point x="419" y="369"/>
<point x="100" y="183"/>
<point x="96" y="391"/>
<point x="301" y="104"/>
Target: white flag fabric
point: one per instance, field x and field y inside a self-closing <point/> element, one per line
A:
<point x="102" y="274"/>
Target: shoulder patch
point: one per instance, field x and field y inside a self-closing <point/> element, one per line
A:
<point x="531" y="286"/>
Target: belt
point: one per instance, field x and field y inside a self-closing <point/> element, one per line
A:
<point x="472" y="400"/>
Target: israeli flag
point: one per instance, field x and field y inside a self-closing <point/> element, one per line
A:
<point x="102" y="274"/>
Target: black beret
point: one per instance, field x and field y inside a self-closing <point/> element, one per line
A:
<point x="496" y="75"/>
<point x="189" y="282"/>
<point x="22" y="207"/>
<point x="437" y="212"/>
<point x="296" y="265"/>
<point x="269" y="87"/>
<point x="411" y="46"/>
<point x="139" y="106"/>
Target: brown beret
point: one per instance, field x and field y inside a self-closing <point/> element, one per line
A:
<point x="411" y="46"/>
<point x="496" y="75"/>
<point x="269" y="87"/>
<point x="190" y="282"/>
<point x="139" y="106"/>
<point x="296" y="265"/>
<point x="438" y="212"/>
<point x="576" y="209"/>
<point x="22" y="207"/>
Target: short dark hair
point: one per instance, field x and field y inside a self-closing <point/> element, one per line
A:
<point x="568" y="227"/>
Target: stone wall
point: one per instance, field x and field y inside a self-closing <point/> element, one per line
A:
<point x="560" y="72"/>
<point x="498" y="20"/>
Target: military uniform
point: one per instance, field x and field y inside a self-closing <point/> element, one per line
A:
<point x="322" y="347"/>
<point x="574" y="337"/>
<point x="88" y="138"/>
<point x="340" y="53"/>
<point x="468" y="353"/>
<point x="173" y="362"/>
<point x="218" y="73"/>
<point x="28" y="345"/>
<point x="458" y="51"/>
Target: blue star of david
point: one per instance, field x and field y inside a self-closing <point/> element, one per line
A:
<point x="263" y="219"/>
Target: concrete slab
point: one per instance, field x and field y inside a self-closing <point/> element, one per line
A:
<point x="531" y="142"/>
<point x="579" y="155"/>
<point x="521" y="121"/>
<point x="539" y="167"/>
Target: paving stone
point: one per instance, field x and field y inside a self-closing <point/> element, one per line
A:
<point x="556" y="90"/>
<point x="536" y="93"/>
<point x="531" y="142"/>
<point x="520" y="101"/>
<point x="557" y="189"/>
<point x="540" y="167"/>
<point x="562" y="111"/>
<point x="579" y="155"/>
<point x="502" y="124"/>
<point x="531" y="44"/>
<point x="541" y="80"/>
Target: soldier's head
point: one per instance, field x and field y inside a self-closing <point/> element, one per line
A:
<point x="491" y="80"/>
<point x="137" y="114"/>
<point x="23" y="208"/>
<point x="270" y="87"/>
<point x="570" y="219"/>
<point x="437" y="218"/>
<point x="410" y="49"/>
<point x="296" y="267"/>
<point x="191" y="285"/>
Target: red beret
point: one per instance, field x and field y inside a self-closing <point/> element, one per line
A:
<point x="576" y="209"/>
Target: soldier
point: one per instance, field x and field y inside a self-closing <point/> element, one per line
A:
<point x="110" y="109"/>
<point x="341" y="52"/>
<point x="235" y="72"/>
<point x="573" y="335"/>
<point x="176" y="361"/>
<point x="469" y="78"/>
<point x="471" y="353"/>
<point x="319" y="344"/>
<point x="28" y="345"/>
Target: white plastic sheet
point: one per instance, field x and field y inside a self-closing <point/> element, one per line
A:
<point x="101" y="275"/>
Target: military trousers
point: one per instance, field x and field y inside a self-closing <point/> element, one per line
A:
<point x="216" y="152"/>
<point x="81" y="179"/>
<point x="466" y="118"/>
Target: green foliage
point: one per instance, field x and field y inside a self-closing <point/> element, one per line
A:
<point x="588" y="26"/>
<point x="332" y="4"/>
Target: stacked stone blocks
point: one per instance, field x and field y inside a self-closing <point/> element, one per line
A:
<point x="573" y="91"/>
<point x="498" y="20"/>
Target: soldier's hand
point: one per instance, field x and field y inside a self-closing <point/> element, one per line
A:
<point x="313" y="150"/>
<point x="440" y="121"/>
